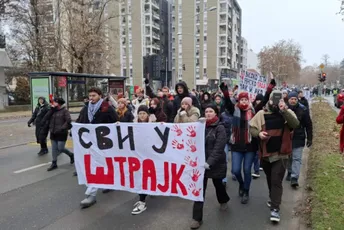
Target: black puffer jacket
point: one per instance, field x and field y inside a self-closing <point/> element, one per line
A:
<point x="166" y="104"/>
<point x="215" y="142"/>
<point x="305" y="127"/>
<point x="37" y="117"/>
<point x="179" y="97"/>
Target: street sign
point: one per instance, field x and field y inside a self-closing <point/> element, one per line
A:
<point x="322" y="66"/>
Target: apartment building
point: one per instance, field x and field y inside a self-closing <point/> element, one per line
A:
<point x="244" y="51"/>
<point x="206" y="41"/>
<point x="144" y="40"/>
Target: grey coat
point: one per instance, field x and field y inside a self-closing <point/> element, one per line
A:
<point x="215" y="141"/>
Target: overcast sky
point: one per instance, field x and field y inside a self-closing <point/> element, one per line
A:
<point x="312" y="23"/>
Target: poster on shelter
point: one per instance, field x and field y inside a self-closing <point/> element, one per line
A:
<point x="39" y="88"/>
<point x="253" y="83"/>
<point x="145" y="158"/>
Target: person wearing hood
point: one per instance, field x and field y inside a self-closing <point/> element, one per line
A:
<point x="301" y="133"/>
<point x="216" y="165"/>
<point x="244" y="147"/>
<point x="182" y="91"/>
<point x="59" y="121"/>
<point x="187" y="112"/>
<point x="165" y="101"/>
<point x="206" y="100"/>
<point x="273" y="126"/>
<point x="41" y="110"/>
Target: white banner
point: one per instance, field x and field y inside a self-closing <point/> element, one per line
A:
<point x="253" y="83"/>
<point x="145" y="158"/>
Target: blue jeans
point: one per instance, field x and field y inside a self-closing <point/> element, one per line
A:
<point x="295" y="162"/>
<point x="227" y="156"/>
<point x="256" y="163"/>
<point x="237" y="163"/>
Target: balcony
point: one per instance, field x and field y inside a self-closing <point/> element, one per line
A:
<point x="223" y="21"/>
<point x="156" y="15"/>
<point x="156" y="45"/>
<point x="222" y="43"/>
<point x="156" y="25"/>
<point x="222" y="32"/>
<point x="156" y="36"/>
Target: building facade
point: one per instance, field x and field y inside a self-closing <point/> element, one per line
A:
<point x="206" y="41"/>
<point x="244" y="51"/>
<point x="143" y="35"/>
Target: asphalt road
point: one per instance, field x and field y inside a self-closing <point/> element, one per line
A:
<point x="330" y="99"/>
<point x="32" y="198"/>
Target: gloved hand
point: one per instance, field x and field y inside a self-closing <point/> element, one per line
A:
<point x="309" y="144"/>
<point x="206" y="166"/>
<point x="28" y="124"/>
<point x="146" y="81"/>
<point x="223" y="87"/>
<point x="182" y="113"/>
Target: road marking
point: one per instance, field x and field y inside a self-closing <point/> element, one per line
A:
<point x="30" y="168"/>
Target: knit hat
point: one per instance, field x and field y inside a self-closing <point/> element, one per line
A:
<point x="60" y="101"/>
<point x="259" y="97"/>
<point x="213" y="107"/>
<point x="285" y="91"/>
<point x="187" y="100"/>
<point x="122" y="100"/>
<point x="292" y="94"/>
<point x="243" y="95"/>
<point x="143" y="108"/>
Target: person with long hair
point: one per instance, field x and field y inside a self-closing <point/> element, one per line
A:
<point x="124" y="114"/>
<point x="216" y="165"/>
<point x="244" y="146"/>
<point x="143" y="116"/>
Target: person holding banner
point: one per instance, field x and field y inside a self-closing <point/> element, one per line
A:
<point x="143" y="116"/>
<point x="216" y="164"/>
<point x="244" y="146"/>
<point x="98" y="111"/>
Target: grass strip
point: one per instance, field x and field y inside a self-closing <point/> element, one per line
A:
<point x="326" y="171"/>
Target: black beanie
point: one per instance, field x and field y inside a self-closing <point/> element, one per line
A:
<point x="60" y="101"/>
<point x="259" y="97"/>
<point x="143" y="108"/>
<point x="213" y="107"/>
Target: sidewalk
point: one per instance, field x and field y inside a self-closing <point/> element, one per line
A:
<point x="14" y="115"/>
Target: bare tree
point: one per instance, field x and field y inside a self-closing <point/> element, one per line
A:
<point x="283" y="59"/>
<point x="326" y="59"/>
<point x="85" y="35"/>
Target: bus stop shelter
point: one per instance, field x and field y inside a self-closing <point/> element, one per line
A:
<point x="72" y="87"/>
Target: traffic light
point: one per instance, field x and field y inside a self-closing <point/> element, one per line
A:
<point x="320" y="78"/>
<point x="324" y="76"/>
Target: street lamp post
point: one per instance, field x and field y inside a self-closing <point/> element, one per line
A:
<point x="210" y="9"/>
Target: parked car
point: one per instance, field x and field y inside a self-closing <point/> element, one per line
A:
<point x="339" y="99"/>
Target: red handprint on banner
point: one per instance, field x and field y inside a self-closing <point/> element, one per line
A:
<point x="195" y="175"/>
<point x="190" y="162"/>
<point x="177" y="130"/>
<point x="192" y="131"/>
<point x="177" y="145"/>
<point x="192" y="146"/>
<point x="193" y="189"/>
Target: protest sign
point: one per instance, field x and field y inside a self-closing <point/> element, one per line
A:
<point x="253" y="83"/>
<point x="145" y="158"/>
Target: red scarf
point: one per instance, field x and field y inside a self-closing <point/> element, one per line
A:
<point x="211" y="121"/>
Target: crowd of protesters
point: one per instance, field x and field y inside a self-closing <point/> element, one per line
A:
<point x="266" y="134"/>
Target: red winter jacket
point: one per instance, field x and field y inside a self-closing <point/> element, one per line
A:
<point x="340" y="120"/>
